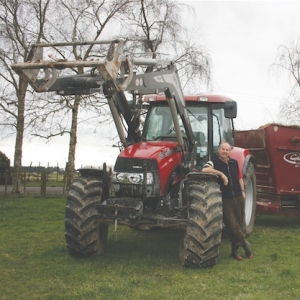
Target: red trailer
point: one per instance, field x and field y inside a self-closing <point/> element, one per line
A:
<point x="276" y="149"/>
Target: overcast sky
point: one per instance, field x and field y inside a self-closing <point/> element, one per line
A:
<point x="242" y="38"/>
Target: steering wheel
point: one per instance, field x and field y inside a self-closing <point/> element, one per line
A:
<point x="161" y="137"/>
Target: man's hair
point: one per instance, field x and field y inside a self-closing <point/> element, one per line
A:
<point x="223" y="142"/>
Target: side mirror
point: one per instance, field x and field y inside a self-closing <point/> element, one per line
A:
<point x="230" y="109"/>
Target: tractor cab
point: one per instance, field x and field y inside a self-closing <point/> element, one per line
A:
<point x="211" y="119"/>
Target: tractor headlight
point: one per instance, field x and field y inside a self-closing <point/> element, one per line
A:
<point x="150" y="178"/>
<point x="133" y="178"/>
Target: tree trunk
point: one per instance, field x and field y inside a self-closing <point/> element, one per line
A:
<point x="21" y="94"/>
<point x="70" y="169"/>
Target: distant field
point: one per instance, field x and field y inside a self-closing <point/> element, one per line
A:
<point x="34" y="180"/>
<point x="53" y="179"/>
<point x="34" y="263"/>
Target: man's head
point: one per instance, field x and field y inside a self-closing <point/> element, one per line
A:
<point x="224" y="151"/>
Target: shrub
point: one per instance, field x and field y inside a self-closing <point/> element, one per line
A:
<point x="4" y="168"/>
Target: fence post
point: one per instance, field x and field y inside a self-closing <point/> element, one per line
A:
<point x="39" y="171"/>
<point x="43" y="183"/>
<point x="24" y="182"/>
<point x="48" y="172"/>
<point x="57" y="169"/>
<point x="65" y="178"/>
<point x="6" y="182"/>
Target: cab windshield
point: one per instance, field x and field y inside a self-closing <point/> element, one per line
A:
<point x="160" y="126"/>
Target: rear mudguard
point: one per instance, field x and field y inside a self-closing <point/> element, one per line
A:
<point x="243" y="157"/>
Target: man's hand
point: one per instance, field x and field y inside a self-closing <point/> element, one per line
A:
<point x="224" y="178"/>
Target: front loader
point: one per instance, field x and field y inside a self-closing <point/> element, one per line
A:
<point x="156" y="181"/>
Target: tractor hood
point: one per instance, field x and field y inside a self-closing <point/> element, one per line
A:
<point x="162" y="156"/>
<point x="157" y="150"/>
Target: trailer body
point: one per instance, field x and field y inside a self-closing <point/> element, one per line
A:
<point x="276" y="149"/>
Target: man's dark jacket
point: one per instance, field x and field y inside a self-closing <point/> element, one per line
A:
<point x="231" y="170"/>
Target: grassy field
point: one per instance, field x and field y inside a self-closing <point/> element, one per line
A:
<point x="52" y="180"/>
<point x="34" y="263"/>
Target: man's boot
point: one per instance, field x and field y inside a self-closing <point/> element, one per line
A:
<point x="246" y="247"/>
<point x="234" y="252"/>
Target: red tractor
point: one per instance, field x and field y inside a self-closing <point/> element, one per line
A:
<point x="157" y="180"/>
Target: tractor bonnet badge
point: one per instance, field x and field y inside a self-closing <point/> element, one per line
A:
<point x="292" y="158"/>
<point x="139" y="82"/>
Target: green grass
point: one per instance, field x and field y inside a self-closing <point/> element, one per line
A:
<point x="34" y="262"/>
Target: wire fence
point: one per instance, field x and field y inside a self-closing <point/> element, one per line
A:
<point x="36" y="180"/>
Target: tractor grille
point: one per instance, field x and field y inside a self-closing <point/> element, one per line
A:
<point x="130" y="190"/>
<point x="127" y="170"/>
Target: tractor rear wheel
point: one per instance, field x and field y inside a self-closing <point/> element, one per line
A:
<point x="202" y="239"/>
<point x="250" y="202"/>
<point x="85" y="235"/>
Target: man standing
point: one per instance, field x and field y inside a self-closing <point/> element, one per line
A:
<point x="233" y="197"/>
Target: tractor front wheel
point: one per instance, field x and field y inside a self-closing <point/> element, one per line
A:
<point x="202" y="239"/>
<point x="85" y="235"/>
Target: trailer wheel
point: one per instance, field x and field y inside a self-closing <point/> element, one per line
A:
<point x="85" y="235"/>
<point x="250" y="202"/>
<point x="202" y="239"/>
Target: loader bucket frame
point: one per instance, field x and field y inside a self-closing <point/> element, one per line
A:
<point x="112" y="75"/>
<point x="42" y="74"/>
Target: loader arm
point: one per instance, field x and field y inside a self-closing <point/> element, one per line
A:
<point x="112" y="76"/>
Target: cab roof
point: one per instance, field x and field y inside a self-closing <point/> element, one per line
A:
<point x="192" y="98"/>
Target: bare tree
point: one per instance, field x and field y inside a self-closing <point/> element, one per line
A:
<point x="20" y="23"/>
<point x="26" y="22"/>
<point x="288" y="61"/>
<point x="154" y="26"/>
<point x="157" y="28"/>
<point x="85" y="23"/>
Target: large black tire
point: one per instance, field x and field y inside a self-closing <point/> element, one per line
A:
<point x="250" y="203"/>
<point x="202" y="239"/>
<point x="85" y="235"/>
